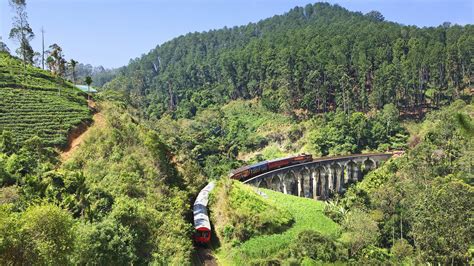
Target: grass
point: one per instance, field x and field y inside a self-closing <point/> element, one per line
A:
<point x="307" y="214"/>
<point x="239" y="213"/>
<point x="33" y="102"/>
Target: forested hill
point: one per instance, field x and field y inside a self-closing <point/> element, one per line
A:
<point x="312" y="59"/>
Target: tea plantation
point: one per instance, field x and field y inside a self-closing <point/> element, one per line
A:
<point x="33" y="102"/>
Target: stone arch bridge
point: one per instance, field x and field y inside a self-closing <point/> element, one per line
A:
<point x="320" y="178"/>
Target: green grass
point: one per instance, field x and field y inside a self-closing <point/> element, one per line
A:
<point x="307" y="214"/>
<point x="239" y="213"/>
<point x="33" y="102"/>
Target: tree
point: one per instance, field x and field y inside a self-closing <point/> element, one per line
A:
<point x="40" y="235"/>
<point x="441" y="218"/>
<point x="315" y="245"/>
<point x="88" y="82"/>
<point x="73" y="64"/>
<point x="375" y="15"/>
<point x="3" y="47"/>
<point x="361" y="231"/>
<point x="21" y="31"/>
<point x="56" y="61"/>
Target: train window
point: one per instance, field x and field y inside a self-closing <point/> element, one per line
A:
<point x="205" y="234"/>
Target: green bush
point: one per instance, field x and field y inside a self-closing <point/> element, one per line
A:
<point x="41" y="235"/>
<point x="314" y="245"/>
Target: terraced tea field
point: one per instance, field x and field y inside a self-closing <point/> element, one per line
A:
<point x="32" y="102"/>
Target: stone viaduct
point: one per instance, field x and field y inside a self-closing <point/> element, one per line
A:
<point x="320" y="178"/>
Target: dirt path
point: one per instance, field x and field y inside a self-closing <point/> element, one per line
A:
<point x="205" y="257"/>
<point x="77" y="139"/>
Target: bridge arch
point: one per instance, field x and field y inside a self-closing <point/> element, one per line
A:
<point x="335" y="177"/>
<point x="276" y="184"/>
<point x="352" y="172"/>
<point x="264" y="183"/>
<point x="291" y="183"/>
<point x="306" y="183"/>
<point x="320" y="174"/>
<point x="368" y="164"/>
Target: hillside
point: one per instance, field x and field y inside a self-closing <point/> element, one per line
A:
<point x="243" y="241"/>
<point x="34" y="103"/>
<point x="117" y="199"/>
<point x="318" y="79"/>
<point x="310" y="60"/>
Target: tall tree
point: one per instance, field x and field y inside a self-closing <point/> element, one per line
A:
<point x="21" y="31"/>
<point x="73" y="64"/>
<point x="88" y="82"/>
<point x="42" y="47"/>
<point x="56" y="61"/>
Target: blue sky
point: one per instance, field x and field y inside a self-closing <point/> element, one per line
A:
<point x="110" y="32"/>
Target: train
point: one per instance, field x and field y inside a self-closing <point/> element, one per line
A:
<point x="246" y="172"/>
<point x="202" y="225"/>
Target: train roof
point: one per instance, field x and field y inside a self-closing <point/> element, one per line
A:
<point x="281" y="159"/>
<point x="245" y="167"/>
<point x="201" y="217"/>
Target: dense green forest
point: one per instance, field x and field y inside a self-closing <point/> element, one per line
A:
<point x="312" y="59"/>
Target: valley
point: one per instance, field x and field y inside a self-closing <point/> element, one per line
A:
<point x="368" y="124"/>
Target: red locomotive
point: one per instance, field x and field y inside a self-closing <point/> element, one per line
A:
<point x="246" y="172"/>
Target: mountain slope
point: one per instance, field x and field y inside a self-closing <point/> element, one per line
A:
<point x="312" y="59"/>
<point x="33" y="102"/>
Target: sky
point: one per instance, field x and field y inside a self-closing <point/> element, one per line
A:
<point x="111" y="32"/>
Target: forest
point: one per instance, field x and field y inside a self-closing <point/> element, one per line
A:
<point x="313" y="59"/>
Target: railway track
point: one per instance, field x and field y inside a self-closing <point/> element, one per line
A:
<point x="205" y="256"/>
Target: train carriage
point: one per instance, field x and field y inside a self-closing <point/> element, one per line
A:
<point x="246" y="172"/>
<point x="202" y="224"/>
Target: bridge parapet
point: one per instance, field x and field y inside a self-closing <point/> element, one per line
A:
<point x="322" y="177"/>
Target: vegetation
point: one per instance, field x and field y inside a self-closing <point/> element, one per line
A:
<point x="288" y="245"/>
<point x="239" y="213"/>
<point x="318" y="79"/>
<point x="34" y="103"/>
<point x="313" y="59"/>
<point x="21" y="31"/>
<point x="420" y="205"/>
<point x="240" y="132"/>
<point x="118" y="200"/>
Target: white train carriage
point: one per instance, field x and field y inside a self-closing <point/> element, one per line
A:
<point x="202" y="225"/>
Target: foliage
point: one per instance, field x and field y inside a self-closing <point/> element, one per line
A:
<point x="441" y="226"/>
<point x="315" y="246"/>
<point x="276" y="248"/>
<point x="360" y="231"/>
<point x="241" y="213"/>
<point x="30" y="104"/>
<point x="120" y="193"/>
<point x="338" y="133"/>
<point x="422" y="202"/>
<point x="55" y="60"/>
<point x="312" y="59"/>
<point x="136" y="195"/>
<point x="39" y="235"/>
<point x="22" y="32"/>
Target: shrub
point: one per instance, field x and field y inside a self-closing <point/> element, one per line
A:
<point x="314" y="245"/>
<point x="401" y="249"/>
